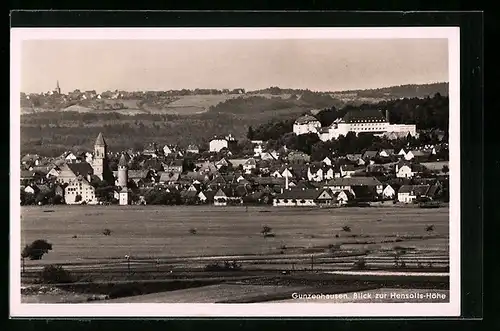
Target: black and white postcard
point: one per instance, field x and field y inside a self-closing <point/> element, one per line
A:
<point x="167" y="172"/>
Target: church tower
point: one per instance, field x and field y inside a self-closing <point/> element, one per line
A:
<point x="100" y="156"/>
<point x="123" y="179"/>
<point x="58" y="89"/>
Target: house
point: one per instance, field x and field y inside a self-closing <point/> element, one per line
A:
<point x="417" y="155"/>
<point x="297" y="198"/>
<point x="249" y="165"/>
<point x="221" y="163"/>
<point x="70" y="157"/>
<point x="218" y="143"/>
<point x="206" y="196"/>
<point x="347" y="183"/>
<point x="258" y="149"/>
<point x="386" y="153"/>
<point x="70" y="171"/>
<point x="402" y="152"/>
<point x="306" y="124"/>
<point x="343" y="197"/>
<point x="193" y="149"/>
<point x="175" y="166"/>
<point x="404" y="169"/>
<point x="168" y="150"/>
<point x="79" y="191"/>
<point x="327" y="161"/>
<point x="314" y="173"/>
<point x="59" y="190"/>
<point x="224" y="196"/>
<point x="32" y="189"/>
<point x="326" y="197"/>
<point x="408" y="193"/>
<point x="389" y="192"/>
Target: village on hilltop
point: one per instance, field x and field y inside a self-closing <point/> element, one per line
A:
<point x="281" y="177"/>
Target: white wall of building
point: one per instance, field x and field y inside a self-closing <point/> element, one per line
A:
<point x="217" y="144"/>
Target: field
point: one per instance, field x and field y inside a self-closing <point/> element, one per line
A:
<point x="164" y="232"/>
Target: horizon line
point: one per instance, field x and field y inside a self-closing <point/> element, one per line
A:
<point x="248" y="90"/>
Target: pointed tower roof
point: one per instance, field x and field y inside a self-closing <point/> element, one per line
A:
<point x="100" y="140"/>
<point x="123" y="161"/>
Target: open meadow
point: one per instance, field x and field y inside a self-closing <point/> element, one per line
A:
<point x="76" y="232"/>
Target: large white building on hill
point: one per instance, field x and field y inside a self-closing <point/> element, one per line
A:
<point x="306" y="124"/>
<point x="357" y="121"/>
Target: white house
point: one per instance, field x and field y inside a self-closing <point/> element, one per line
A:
<point x="409" y="156"/>
<point x="404" y="171"/>
<point x="79" y="191"/>
<point x="258" y="149"/>
<point x="408" y="193"/>
<point x="168" y="150"/>
<point x="70" y="157"/>
<point x="388" y="192"/>
<point x="249" y="165"/>
<point x="216" y="144"/>
<point x="327" y="161"/>
<point x="287" y="173"/>
<point x="306" y="124"/>
<point x="402" y="152"/>
<point x="297" y="198"/>
<point x="193" y="149"/>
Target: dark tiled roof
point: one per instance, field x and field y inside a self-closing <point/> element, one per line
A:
<point x="367" y="115"/>
<point x="416" y="189"/>
<point x="299" y="194"/>
<point x="81" y="168"/>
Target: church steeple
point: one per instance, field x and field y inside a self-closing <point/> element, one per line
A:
<point x="100" y="156"/>
<point x="58" y="89"/>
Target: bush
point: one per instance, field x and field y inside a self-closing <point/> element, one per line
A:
<point x="265" y="230"/>
<point x="192" y="231"/>
<point x="36" y="249"/>
<point x="106" y="232"/>
<point x="55" y="275"/>
<point x="360" y="264"/>
<point x="226" y="266"/>
<point x="346" y="228"/>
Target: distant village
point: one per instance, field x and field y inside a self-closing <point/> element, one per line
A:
<point x="170" y="175"/>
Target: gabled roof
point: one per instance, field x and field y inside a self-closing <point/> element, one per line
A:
<point x="306" y="119"/>
<point x="100" y="140"/>
<point x="81" y="168"/>
<point x="415" y="189"/>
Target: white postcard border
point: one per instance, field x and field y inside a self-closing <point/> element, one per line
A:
<point x="18" y="309"/>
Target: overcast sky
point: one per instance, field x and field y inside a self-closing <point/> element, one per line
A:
<point x="322" y="65"/>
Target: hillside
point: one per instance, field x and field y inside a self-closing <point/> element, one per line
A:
<point x="133" y="123"/>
